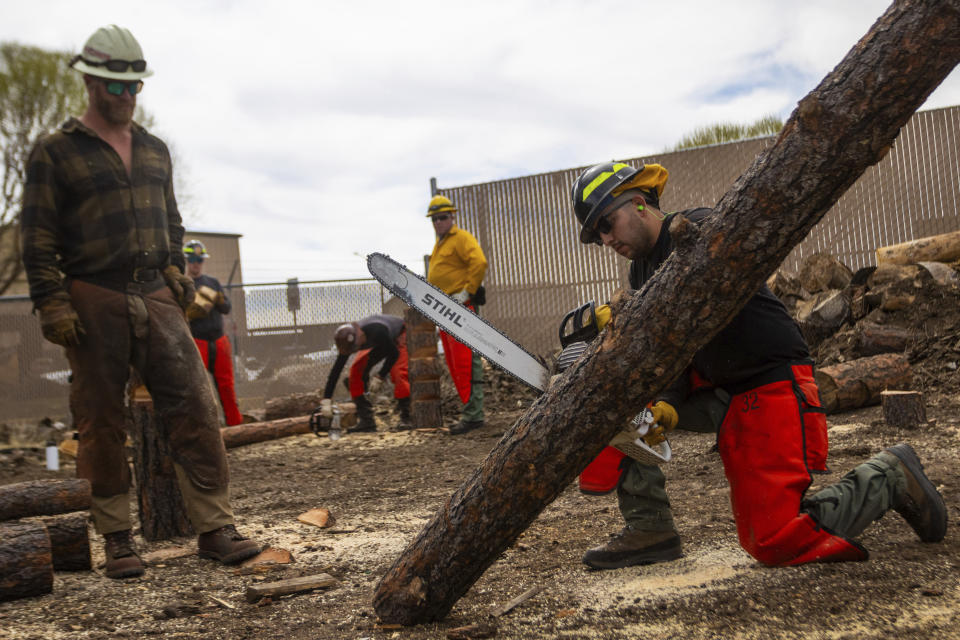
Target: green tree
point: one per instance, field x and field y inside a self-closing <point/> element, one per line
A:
<point x="38" y="92"/>
<point x="729" y="132"/>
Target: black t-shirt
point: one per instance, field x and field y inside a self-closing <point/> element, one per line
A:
<point x="381" y="333"/>
<point x="760" y="337"/>
<point x="210" y="327"/>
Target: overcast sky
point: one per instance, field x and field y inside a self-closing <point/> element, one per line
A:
<point x="313" y="128"/>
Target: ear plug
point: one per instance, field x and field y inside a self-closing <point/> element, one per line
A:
<point x="639" y="207"/>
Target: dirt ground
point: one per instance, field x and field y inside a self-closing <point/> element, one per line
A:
<point x="383" y="487"/>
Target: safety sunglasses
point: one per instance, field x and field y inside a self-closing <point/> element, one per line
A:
<point x="603" y="224"/>
<point x="116" y="87"/>
<point x="194" y="259"/>
<point x="440" y="217"/>
<point x="118" y="66"/>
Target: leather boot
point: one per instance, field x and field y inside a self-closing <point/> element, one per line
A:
<point x="365" y="419"/>
<point x="920" y="504"/>
<point x="226" y="545"/>
<point x="122" y="558"/>
<point x="635" y="547"/>
<point x="403" y="406"/>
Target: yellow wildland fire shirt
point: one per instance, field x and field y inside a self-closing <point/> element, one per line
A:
<point x="457" y="262"/>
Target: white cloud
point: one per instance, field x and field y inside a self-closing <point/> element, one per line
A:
<point x="313" y="129"/>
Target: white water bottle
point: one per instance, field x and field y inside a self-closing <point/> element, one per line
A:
<point x="53" y="456"/>
<point x="335" y="431"/>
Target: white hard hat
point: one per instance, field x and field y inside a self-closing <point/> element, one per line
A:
<point x="112" y="52"/>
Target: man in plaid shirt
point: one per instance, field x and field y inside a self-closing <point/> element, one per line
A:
<point x="102" y="239"/>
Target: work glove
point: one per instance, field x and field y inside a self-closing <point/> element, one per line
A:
<point x="664" y="420"/>
<point x="181" y="285"/>
<point x="60" y="323"/>
<point x="326" y="408"/>
<point x="220" y="300"/>
<point x="461" y="296"/>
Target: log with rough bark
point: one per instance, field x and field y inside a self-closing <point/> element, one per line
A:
<point x="941" y="248"/>
<point x="292" y="406"/>
<point x="858" y="383"/>
<point x="249" y="433"/>
<point x="424" y="371"/>
<point x="26" y="562"/>
<point x="844" y="126"/>
<point x="822" y="271"/>
<point x="903" y="409"/>
<point x="874" y="339"/>
<point x="43" y="498"/>
<point x="159" y="502"/>
<point x="69" y="542"/>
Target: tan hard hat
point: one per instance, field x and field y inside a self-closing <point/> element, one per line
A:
<point x="113" y="53"/>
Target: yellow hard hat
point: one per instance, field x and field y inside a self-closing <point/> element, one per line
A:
<point x="440" y="204"/>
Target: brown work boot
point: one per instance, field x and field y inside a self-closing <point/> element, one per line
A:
<point x="920" y="504"/>
<point x="465" y="426"/>
<point x="122" y="559"/>
<point x="226" y="545"/>
<point x="634" y="547"/>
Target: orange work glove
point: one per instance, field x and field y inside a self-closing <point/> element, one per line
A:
<point x="60" y="323"/>
<point x="665" y="419"/>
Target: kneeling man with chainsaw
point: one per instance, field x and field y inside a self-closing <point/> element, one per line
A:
<point x="753" y="384"/>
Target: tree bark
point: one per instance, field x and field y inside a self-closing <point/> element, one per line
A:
<point x="424" y="370"/>
<point x="249" y="433"/>
<point x="903" y="409"/>
<point x="26" y="562"/>
<point x="942" y="248"/>
<point x="292" y="406"/>
<point x="162" y="512"/>
<point x="858" y="383"/>
<point x="846" y="125"/>
<point x="874" y="339"/>
<point x="43" y="498"/>
<point x="69" y="542"/>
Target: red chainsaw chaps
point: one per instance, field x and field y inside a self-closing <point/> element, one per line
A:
<point x="601" y="476"/>
<point x="398" y="373"/>
<point x="771" y="439"/>
<point x="459" y="359"/>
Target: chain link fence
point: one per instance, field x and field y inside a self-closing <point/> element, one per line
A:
<point x="281" y="333"/>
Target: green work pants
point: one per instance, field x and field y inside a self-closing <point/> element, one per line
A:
<point x="473" y="410"/>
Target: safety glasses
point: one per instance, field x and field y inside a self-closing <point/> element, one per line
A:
<point x="118" y="66"/>
<point x="440" y="217"/>
<point x="116" y="87"/>
<point x="194" y="259"/>
<point x="603" y="224"/>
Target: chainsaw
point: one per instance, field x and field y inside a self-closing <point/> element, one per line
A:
<point x="577" y="329"/>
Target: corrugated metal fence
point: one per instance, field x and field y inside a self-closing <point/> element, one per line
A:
<point x="538" y="270"/>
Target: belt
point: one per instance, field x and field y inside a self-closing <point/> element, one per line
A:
<point x="147" y="279"/>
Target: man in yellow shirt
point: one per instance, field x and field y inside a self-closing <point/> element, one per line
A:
<point x="457" y="266"/>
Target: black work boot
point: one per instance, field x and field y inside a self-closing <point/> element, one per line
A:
<point x="403" y="406"/>
<point x="920" y="504"/>
<point x="226" y="545"/>
<point x="122" y="559"/>
<point x="365" y="419"/>
<point x="634" y="547"/>
<point x="464" y="426"/>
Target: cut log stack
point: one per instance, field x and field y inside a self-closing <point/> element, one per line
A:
<point x="31" y="550"/>
<point x="424" y="370"/>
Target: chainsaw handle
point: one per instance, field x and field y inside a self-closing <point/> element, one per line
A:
<point x="584" y="325"/>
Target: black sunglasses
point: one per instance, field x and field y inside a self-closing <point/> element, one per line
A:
<point x="118" y="66"/>
<point x="117" y="87"/>
<point x="603" y="225"/>
<point x="440" y="217"/>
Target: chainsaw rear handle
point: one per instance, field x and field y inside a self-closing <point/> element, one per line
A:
<point x="579" y="325"/>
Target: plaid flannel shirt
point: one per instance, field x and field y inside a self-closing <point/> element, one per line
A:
<point x="83" y="215"/>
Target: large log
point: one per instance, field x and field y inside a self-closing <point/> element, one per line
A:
<point x="43" y="498"/>
<point x="874" y="339"/>
<point x="424" y="370"/>
<point x="292" y="406"/>
<point x="160" y="505"/>
<point x="252" y="432"/>
<point x="69" y="542"/>
<point x="941" y="248"/>
<point x="26" y="562"/>
<point x="846" y="125"/>
<point x="858" y="383"/>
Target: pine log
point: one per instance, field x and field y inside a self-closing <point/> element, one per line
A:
<point x="292" y="406"/>
<point x="43" y="498"/>
<point x="252" y="432"/>
<point x="858" y="383"/>
<point x="69" y="542"/>
<point x="879" y="338"/>
<point x="846" y="125"/>
<point x="426" y="414"/>
<point x="160" y="505"/>
<point x="26" y="561"/>
<point x="903" y="409"/>
<point x="425" y="390"/>
<point x="424" y="370"/>
<point x="941" y="248"/>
